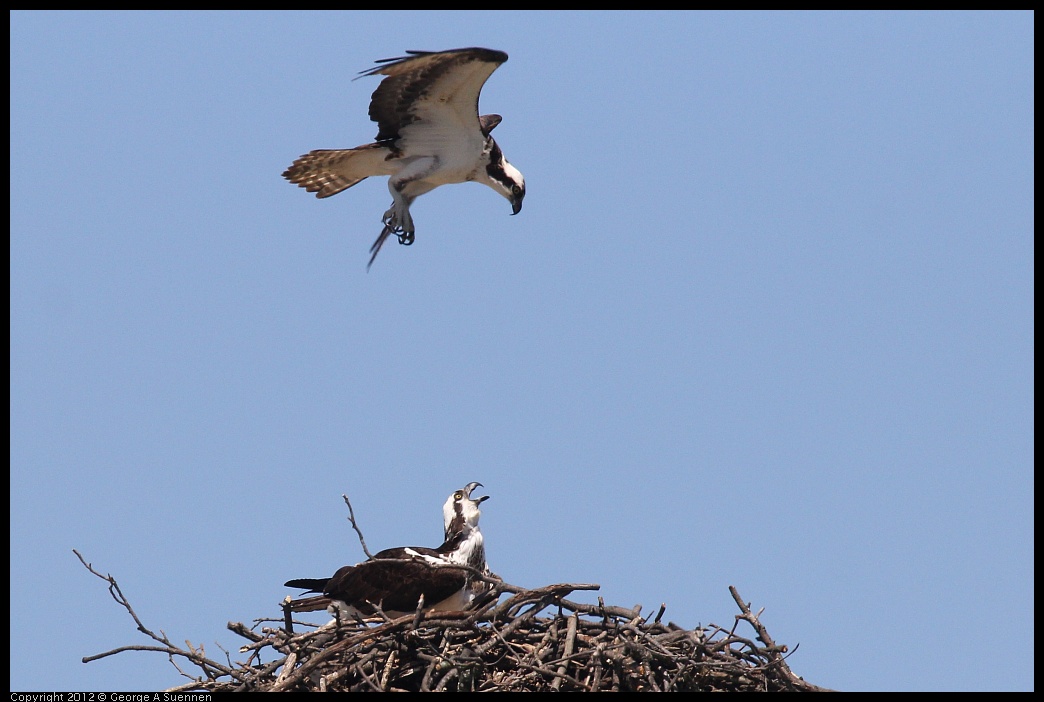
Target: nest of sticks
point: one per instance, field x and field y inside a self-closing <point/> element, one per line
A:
<point x="513" y="640"/>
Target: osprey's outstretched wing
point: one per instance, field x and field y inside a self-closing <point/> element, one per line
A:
<point x="438" y="90"/>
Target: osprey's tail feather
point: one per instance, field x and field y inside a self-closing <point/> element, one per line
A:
<point x="309" y="584"/>
<point x="327" y="172"/>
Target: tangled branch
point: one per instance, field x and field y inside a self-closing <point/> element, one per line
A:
<point x="514" y="639"/>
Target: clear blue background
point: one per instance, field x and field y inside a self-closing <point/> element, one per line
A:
<point x="765" y="320"/>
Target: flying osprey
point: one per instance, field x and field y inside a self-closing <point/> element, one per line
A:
<point x="396" y="578"/>
<point x="429" y="133"/>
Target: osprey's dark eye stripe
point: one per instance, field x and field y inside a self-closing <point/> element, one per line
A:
<point x="458" y="495"/>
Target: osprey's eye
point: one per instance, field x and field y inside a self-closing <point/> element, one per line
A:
<point x="515" y="190"/>
<point x="458" y="495"/>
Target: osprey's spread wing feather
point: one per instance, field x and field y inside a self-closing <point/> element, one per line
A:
<point x="440" y="89"/>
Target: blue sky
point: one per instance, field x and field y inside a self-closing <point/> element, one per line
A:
<point x="765" y="320"/>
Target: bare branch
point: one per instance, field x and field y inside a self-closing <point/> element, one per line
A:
<point x="117" y="595"/>
<point x="351" y="518"/>
<point x="508" y="641"/>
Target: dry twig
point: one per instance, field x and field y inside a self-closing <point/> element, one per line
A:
<point x="533" y="640"/>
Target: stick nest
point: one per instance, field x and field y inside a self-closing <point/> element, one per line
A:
<point x="532" y="640"/>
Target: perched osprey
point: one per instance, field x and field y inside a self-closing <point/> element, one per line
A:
<point x="396" y="578"/>
<point x="429" y="133"/>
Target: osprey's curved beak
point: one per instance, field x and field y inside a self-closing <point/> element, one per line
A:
<point x="470" y="487"/>
<point x="516" y="205"/>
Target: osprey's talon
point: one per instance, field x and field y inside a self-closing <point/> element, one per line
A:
<point x="405" y="238"/>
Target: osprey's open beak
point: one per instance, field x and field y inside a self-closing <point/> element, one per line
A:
<point x="471" y="486"/>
